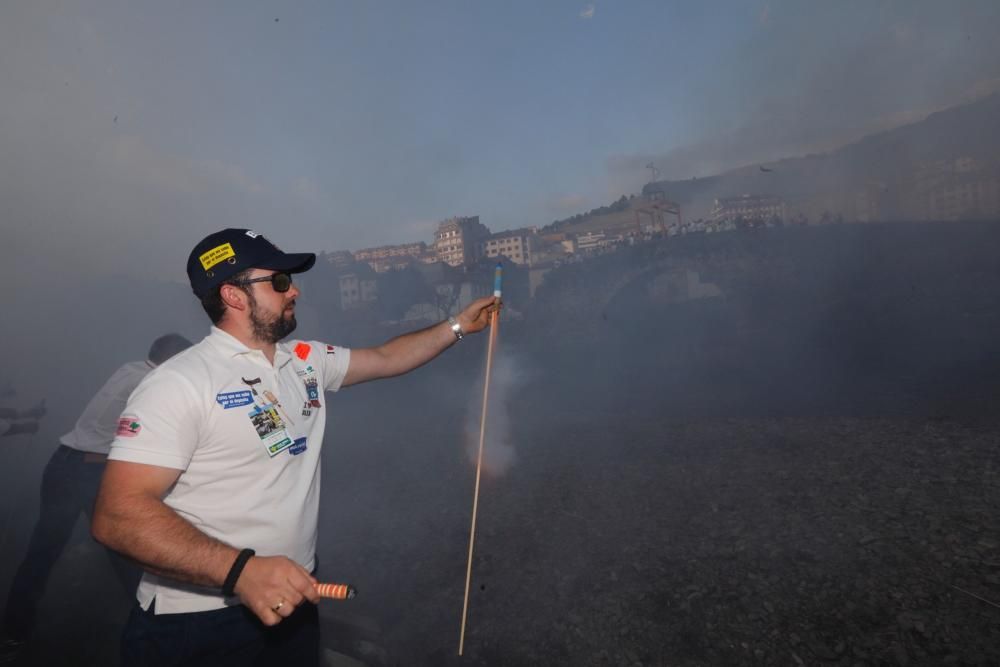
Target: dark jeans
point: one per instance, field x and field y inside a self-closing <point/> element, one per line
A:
<point x="223" y="637"/>
<point x="69" y="487"/>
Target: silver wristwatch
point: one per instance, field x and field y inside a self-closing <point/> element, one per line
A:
<point x="456" y="328"/>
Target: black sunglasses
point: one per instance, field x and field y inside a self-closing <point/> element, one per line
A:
<point x="280" y="282"/>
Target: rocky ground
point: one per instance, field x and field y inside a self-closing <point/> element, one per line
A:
<point x="644" y="541"/>
<point x="635" y="540"/>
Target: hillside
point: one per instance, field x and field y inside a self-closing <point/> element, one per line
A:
<point x="888" y="165"/>
<point x="885" y="171"/>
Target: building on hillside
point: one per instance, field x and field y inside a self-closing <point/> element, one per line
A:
<point x="752" y="209"/>
<point x="652" y="211"/>
<point x="337" y="282"/>
<point x="381" y="252"/>
<point x="591" y="241"/>
<point x="338" y="259"/>
<point x="970" y="200"/>
<point x="389" y="257"/>
<point x="357" y="286"/>
<point x="459" y="241"/>
<point x="453" y="287"/>
<point x="517" y="245"/>
<point x="546" y="250"/>
<point x="405" y="261"/>
<point x="952" y="190"/>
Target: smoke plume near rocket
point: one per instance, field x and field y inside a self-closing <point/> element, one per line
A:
<point x="499" y="452"/>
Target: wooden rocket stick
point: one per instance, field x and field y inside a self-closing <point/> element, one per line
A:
<point x="494" y="320"/>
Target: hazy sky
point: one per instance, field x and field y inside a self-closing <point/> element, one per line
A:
<point x="128" y="130"/>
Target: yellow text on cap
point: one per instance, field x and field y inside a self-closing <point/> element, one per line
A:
<point x="216" y="255"/>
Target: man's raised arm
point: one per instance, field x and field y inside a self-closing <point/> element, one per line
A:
<point x="404" y="353"/>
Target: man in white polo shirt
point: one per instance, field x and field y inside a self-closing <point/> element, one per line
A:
<point x="69" y="486"/>
<point x="213" y="479"/>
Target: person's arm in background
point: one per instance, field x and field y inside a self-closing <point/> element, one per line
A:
<point x="8" y="425"/>
<point x="18" y="428"/>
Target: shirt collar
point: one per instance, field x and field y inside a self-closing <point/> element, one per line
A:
<point x="281" y="355"/>
<point x="229" y="345"/>
<point x="232" y="347"/>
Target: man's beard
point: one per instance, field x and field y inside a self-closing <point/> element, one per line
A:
<point x="273" y="330"/>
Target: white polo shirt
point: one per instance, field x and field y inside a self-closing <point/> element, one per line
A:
<point x="95" y="429"/>
<point x="246" y="436"/>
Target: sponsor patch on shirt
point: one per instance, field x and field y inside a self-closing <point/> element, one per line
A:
<point x="128" y="427"/>
<point x="297" y="447"/>
<point x="302" y="372"/>
<point x="233" y="399"/>
<point x="330" y="349"/>
<point x="302" y="350"/>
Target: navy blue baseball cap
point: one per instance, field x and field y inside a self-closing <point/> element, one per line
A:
<point x="220" y="256"/>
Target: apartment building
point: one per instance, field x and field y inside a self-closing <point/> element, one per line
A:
<point x="749" y="208"/>
<point x="517" y="245"/>
<point x="459" y="241"/>
<point x="388" y="257"/>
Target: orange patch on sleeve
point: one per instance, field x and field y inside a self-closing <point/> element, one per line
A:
<point x="302" y="350"/>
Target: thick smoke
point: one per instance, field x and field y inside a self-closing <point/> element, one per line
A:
<point x="499" y="447"/>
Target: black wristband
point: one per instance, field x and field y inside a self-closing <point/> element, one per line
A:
<point x="228" y="588"/>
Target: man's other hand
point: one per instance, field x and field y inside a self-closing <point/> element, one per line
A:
<point x="273" y="586"/>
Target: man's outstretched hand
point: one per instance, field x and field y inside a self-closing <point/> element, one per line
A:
<point x="476" y="316"/>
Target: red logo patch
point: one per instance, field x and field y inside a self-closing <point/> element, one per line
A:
<point x="302" y="350"/>
<point x="330" y="349"/>
<point x="128" y="427"/>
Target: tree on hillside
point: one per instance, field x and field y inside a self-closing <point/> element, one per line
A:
<point x="619" y="205"/>
<point x="401" y="289"/>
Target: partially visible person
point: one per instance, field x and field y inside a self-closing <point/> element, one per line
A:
<point x="69" y="487"/>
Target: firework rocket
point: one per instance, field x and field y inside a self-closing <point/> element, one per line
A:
<point x="336" y="591"/>
<point x="494" y="316"/>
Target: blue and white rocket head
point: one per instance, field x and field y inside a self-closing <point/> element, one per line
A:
<point x="498" y="280"/>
